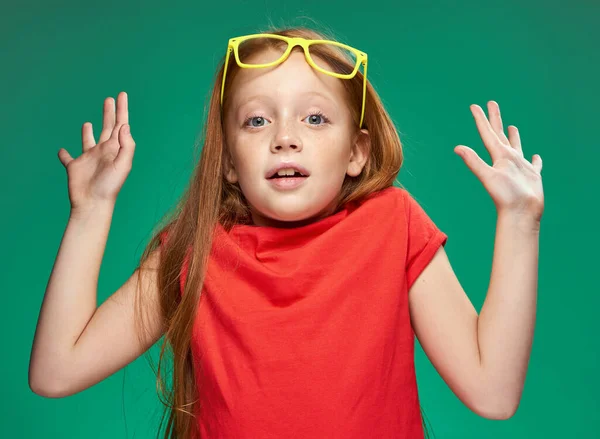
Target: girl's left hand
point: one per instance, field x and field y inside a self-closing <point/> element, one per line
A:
<point x="514" y="183"/>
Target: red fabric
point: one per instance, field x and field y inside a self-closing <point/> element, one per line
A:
<point x="305" y="333"/>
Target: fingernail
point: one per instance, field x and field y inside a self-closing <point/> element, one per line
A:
<point x="126" y="129"/>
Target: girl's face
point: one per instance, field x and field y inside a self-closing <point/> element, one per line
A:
<point x="291" y="113"/>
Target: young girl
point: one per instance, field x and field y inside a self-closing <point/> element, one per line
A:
<point x="293" y="276"/>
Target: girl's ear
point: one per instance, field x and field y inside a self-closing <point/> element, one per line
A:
<point x="228" y="169"/>
<point x="361" y="148"/>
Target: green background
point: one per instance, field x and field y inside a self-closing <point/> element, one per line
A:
<point x="428" y="60"/>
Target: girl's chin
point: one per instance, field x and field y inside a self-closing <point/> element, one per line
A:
<point x="285" y="218"/>
<point x="290" y="211"/>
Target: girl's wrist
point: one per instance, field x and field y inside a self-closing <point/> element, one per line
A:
<point x="525" y="222"/>
<point x="96" y="208"/>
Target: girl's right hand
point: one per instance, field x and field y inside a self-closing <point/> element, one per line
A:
<point x="97" y="175"/>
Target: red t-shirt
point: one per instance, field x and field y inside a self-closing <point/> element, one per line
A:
<point x="306" y="333"/>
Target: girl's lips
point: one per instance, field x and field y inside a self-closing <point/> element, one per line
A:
<point x="287" y="182"/>
<point x="283" y="165"/>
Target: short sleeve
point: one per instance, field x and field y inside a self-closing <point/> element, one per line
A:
<point x="424" y="239"/>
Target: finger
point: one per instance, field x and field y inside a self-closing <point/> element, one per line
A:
<point x="87" y="137"/>
<point x="64" y="157"/>
<point x="515" y="138"/>
<point x="125" y="157"/>
<point x="108" y="119"/>
<point x="473" y="161"/>
<point x="536" y="161"/>
<point x="122" y="115"/>
<point x="487" y="133"/>
<point x="496" y="120"/>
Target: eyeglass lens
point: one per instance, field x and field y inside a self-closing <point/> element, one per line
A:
<point x="320" y="53"/>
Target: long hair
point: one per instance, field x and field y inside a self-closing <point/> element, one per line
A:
<point x="210" y="199"/>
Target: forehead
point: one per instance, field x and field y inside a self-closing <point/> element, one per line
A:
<point x="291" y="78"/>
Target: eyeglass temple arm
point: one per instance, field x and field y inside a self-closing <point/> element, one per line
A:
<point x="362" y="112"/>
<point x="229" y="50"/>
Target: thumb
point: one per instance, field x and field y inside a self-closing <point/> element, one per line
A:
<point x="536" y="161"/>
<point x="64" y="157"/>
<point x="472" y="160"/>
<point x="125" y="155"/>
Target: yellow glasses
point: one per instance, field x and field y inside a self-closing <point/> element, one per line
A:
<point x="241" y="48"/>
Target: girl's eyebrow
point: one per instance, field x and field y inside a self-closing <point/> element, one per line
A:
<point x="258" y="97"/>
<point x="317" y="93"/>
<point x="262" y="97"/>
<point x="329" y="99"/>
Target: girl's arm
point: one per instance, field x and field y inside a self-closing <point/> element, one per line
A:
<point x="484" y="358"/>
<point x="76" y="344"/>
<point x="507" y="319"/>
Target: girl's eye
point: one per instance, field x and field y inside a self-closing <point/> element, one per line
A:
<point x="258" y="119"/>
<point x="313" y="118"/>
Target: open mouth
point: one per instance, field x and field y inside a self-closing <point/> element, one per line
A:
<point x="294" y="175"/>
<point x="286" y="180"/>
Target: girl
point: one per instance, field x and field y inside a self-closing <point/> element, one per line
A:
<point x="293" y="276"/>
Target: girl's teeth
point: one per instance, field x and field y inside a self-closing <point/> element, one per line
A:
<point x="286" y="172"/>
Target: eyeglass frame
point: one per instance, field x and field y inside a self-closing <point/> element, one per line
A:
<point x="361" y="58"/>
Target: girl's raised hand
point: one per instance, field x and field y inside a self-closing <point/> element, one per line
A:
<point x="514" y="183"/>
<point x="97" y="175"/>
